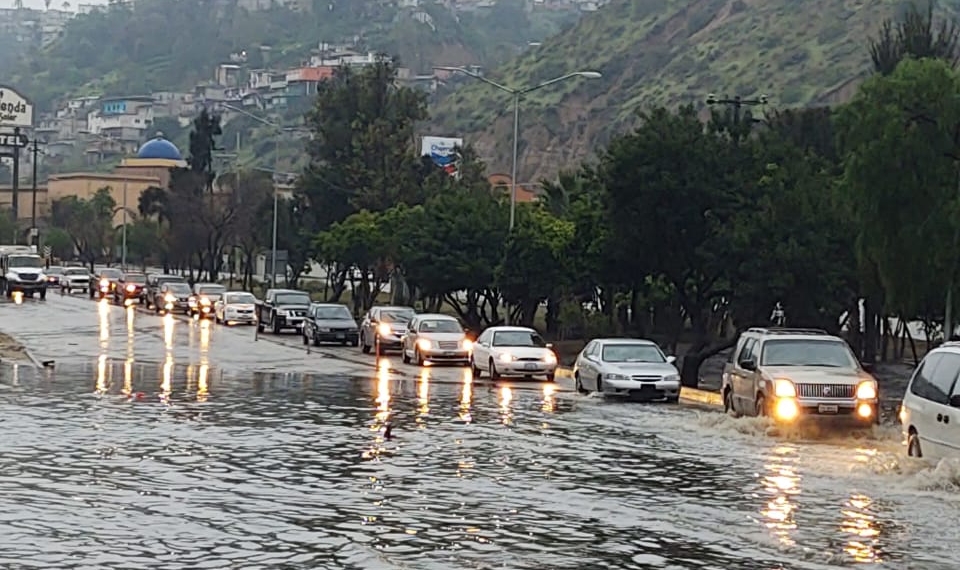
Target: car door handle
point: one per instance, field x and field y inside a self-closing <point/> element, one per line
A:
<point x="946" y="419"/>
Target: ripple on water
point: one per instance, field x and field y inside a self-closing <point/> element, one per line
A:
<point x="100" y="470"/>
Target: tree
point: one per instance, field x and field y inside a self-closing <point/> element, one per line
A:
<point x="914" y="35"/>
<point x="60" y="243"/>
<point x="901" y="140"/>
<point x="7" y="226"/>
<point x="254" y="190"/>
<point x="88" y="222"/>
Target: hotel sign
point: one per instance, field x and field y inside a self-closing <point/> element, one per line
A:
<point x="15" y="109"/>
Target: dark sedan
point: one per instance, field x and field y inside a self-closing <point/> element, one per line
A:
<point x="330" y="322"/>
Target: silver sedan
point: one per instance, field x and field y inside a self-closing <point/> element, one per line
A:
<point x="628" y="367"/>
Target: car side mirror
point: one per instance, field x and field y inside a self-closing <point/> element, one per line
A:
<point x="955" y="401"/>
<point x="671" y="359"/>
<point x="550" y="345"/>
<point x="868" y="367"/>
<point x="748" y="364"/>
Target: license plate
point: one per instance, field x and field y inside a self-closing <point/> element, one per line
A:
<point x="825" y="409"/>
<point x="341" y="336"/>
<point x="448" y="353"/>
<point x="530" y="366"/>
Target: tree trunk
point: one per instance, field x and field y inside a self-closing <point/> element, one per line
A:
<point x="552" y="316"/>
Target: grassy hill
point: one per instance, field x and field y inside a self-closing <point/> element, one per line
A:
<point x="664" y="52"/>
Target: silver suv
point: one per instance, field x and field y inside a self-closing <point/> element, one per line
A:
<point x="789" y="374"/>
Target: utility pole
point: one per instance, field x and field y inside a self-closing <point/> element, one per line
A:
<point x="15" y="187"/>
<point x="34" y="232"/>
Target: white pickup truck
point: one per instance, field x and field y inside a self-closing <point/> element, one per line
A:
<point x="21" y="270"/>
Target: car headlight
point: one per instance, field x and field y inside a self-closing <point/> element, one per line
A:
<point x="467" y="344"/>
<point x="192" y="302"/>
<point x="612" y="376"/>
<point x="204" y="301"/>
<point x="169" y="298"/>
<point x="281" y="313"/>
<point x="13" y="277"/>
<point x="672" y="377"/>
<point x="104" y="282"/>
<point x="867" y="390"/>
<point x="506" y="357"/>
<point x="424" y="344"/>
<point x="550" y="358"/>
<point x="131" y="288"/>
<point x="783" y="388"/>
<point x="384" y="329"/>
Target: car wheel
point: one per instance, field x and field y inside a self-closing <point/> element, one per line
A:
<point x="551" y="376"/>
<point x="913" y="445"/>
<point x="417" y="357"/>
<point x="364" y="347"/>
<point x="673" y="399"/>
<point x="600" y="384"/>
<point x="578" y="385"/>
<point x="760" y="406"/>
<point x="405" y="357"/>
<point x="494" y="375"/>
<point x="306" y="339"/>
<point x="275" y="325"/>
<point x="728" y="403"/>
<point x="316" y="340"/>
<point x="476" y="371"/>
<point x="43" y="294"/>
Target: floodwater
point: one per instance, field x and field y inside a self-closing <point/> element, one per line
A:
<point x="117" y="464"/>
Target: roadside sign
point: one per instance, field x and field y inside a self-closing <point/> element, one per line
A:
<point x="11" y="140"/>
<point x="15" y="109"/>
<point x="47" y="251"/>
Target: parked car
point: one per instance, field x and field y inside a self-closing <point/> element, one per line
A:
<point x="203" y="298"/>
<point x="385" y="325"/>
<point x="235" y="307"/>
<point x="436" y="338"/>
<point x="628" y="367"/>
<point x="152" y="296"/>
<point x="790" y="374"/>
<point x="129" y="288"/>
<point x="175" y="297"/>
<point x="282" y="309"/>
<point x="106" y="282"/>
<point x="330" y="322"/>
<point x="75" y="279"/>
<point x="930" y="412"/>
<point x="513" y="351"/>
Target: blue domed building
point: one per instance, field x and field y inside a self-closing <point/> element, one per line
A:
<point x="159" y="148"/>
<point x="155" y="158"/>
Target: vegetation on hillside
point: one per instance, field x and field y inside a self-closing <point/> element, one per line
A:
<point x="165" y="45"/>
<point x="666" y="52"/>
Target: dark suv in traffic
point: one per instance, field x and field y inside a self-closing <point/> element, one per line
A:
<point x="129" y="287"/>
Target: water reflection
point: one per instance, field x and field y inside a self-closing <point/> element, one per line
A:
<point x="204" y="336"/>
<point x="166" y="384"/>
<point x="549" y="400"/>
<point x="128" y="377"/>
<point x="782" y="484"/>
<point x="466" y="395"/>
<point x="18" y="297"/>
<point x="202" y="383"/>
<point x="861" y="525"/>
<point x="423" y="397"/>
<point x="102" y="374"/>
<point x="506" y="396"/>
<point x="168" y="323"/>
<point x="383" y="413"/>
<point x="103" y="310"/>
<point x="131" y="319"/>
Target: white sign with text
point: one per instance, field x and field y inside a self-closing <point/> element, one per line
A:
<point x="15" y="109"/>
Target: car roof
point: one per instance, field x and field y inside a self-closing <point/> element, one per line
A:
<point x="642" y="341"/>
<point x="330" y="305"/>
<point x="209" y="285"/>
<point x="506" y="328"/>
<point x="395" y="308"/>
<point x="287" y="291"/>
<point x="436" y="317"/>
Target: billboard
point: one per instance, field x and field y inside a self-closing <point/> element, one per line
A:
<point x="15" y="109"/>
<point x="441" y="151"/>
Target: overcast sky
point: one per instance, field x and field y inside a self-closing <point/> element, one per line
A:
<point x="54" y="4"/>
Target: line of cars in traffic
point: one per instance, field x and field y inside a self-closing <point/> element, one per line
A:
<point x="787" y="374"/>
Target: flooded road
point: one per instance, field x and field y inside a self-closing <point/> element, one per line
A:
<point x="153" y="454"/>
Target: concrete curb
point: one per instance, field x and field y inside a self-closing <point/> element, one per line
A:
<point x="694" y="395"/>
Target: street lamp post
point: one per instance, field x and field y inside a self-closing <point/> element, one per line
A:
<point x="517" y="94"/>
<point x="737" y="103"/>
<point x="276" y="166"/>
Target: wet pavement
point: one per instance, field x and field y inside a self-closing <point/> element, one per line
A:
<point x="169" y="444"/>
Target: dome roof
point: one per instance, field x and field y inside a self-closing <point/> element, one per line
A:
<point x="159" y="147"/>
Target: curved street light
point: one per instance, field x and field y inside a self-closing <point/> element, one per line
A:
<point x="517" y="94"/>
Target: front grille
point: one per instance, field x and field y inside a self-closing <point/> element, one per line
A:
<point x="29" y="276"/>
<point x="244" y="311"/>
<point x="448" y="345"/>
<point x="827" y="391"/>
<point x="342" y="330"/>
<point x="528" y="359"/>
<point x="643" y="378"/>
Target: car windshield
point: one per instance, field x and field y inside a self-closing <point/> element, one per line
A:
<point x="334" y="313"/>
<point x="25" y="261"/>
<point x="54" y="271"/>
<point x="397" y="316"/>
<point x="240" y="299"/>
<point x="135" y="278"/>
<point x="518" y="338"/>
<point x="178" y="288"/>
<point x="632" y="353"/>
<point x="76" y="271"/>
<point x="111" y="273"/>
<point x="440" y="326"/>
<point x="293" y="299"/>
<point x="170" y="279"/>
<point x="802" y="352"/>
<point x="211" y="290"/>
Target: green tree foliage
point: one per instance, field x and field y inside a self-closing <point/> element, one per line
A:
<point x="914" y="34"/>
<point x="89" y="223"/>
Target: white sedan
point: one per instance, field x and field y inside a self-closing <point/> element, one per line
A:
<point x="627" y="367"/>
<point x="234" y="307"/>
<point x="513" y="351"/>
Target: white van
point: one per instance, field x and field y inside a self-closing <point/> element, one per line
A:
<point x="930" y="413"/>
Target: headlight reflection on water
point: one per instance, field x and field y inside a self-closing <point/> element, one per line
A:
<point x="423" y="397"/>
<point x="781" y="482"/>
<point x="102" y="374"/>
<point x="860" y="524"/>
<point x="383" y="412"/>
<point x="103" y="310"/>
<point x="168" y="323"/>
<point x="466" y="395"/>
<point x="506" y="396"/>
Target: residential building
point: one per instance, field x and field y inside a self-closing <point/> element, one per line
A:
<point x="124" y="119"/>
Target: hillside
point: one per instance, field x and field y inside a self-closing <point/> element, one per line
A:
<point x="662" y="52"/>
<point x="171" y="45"/>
